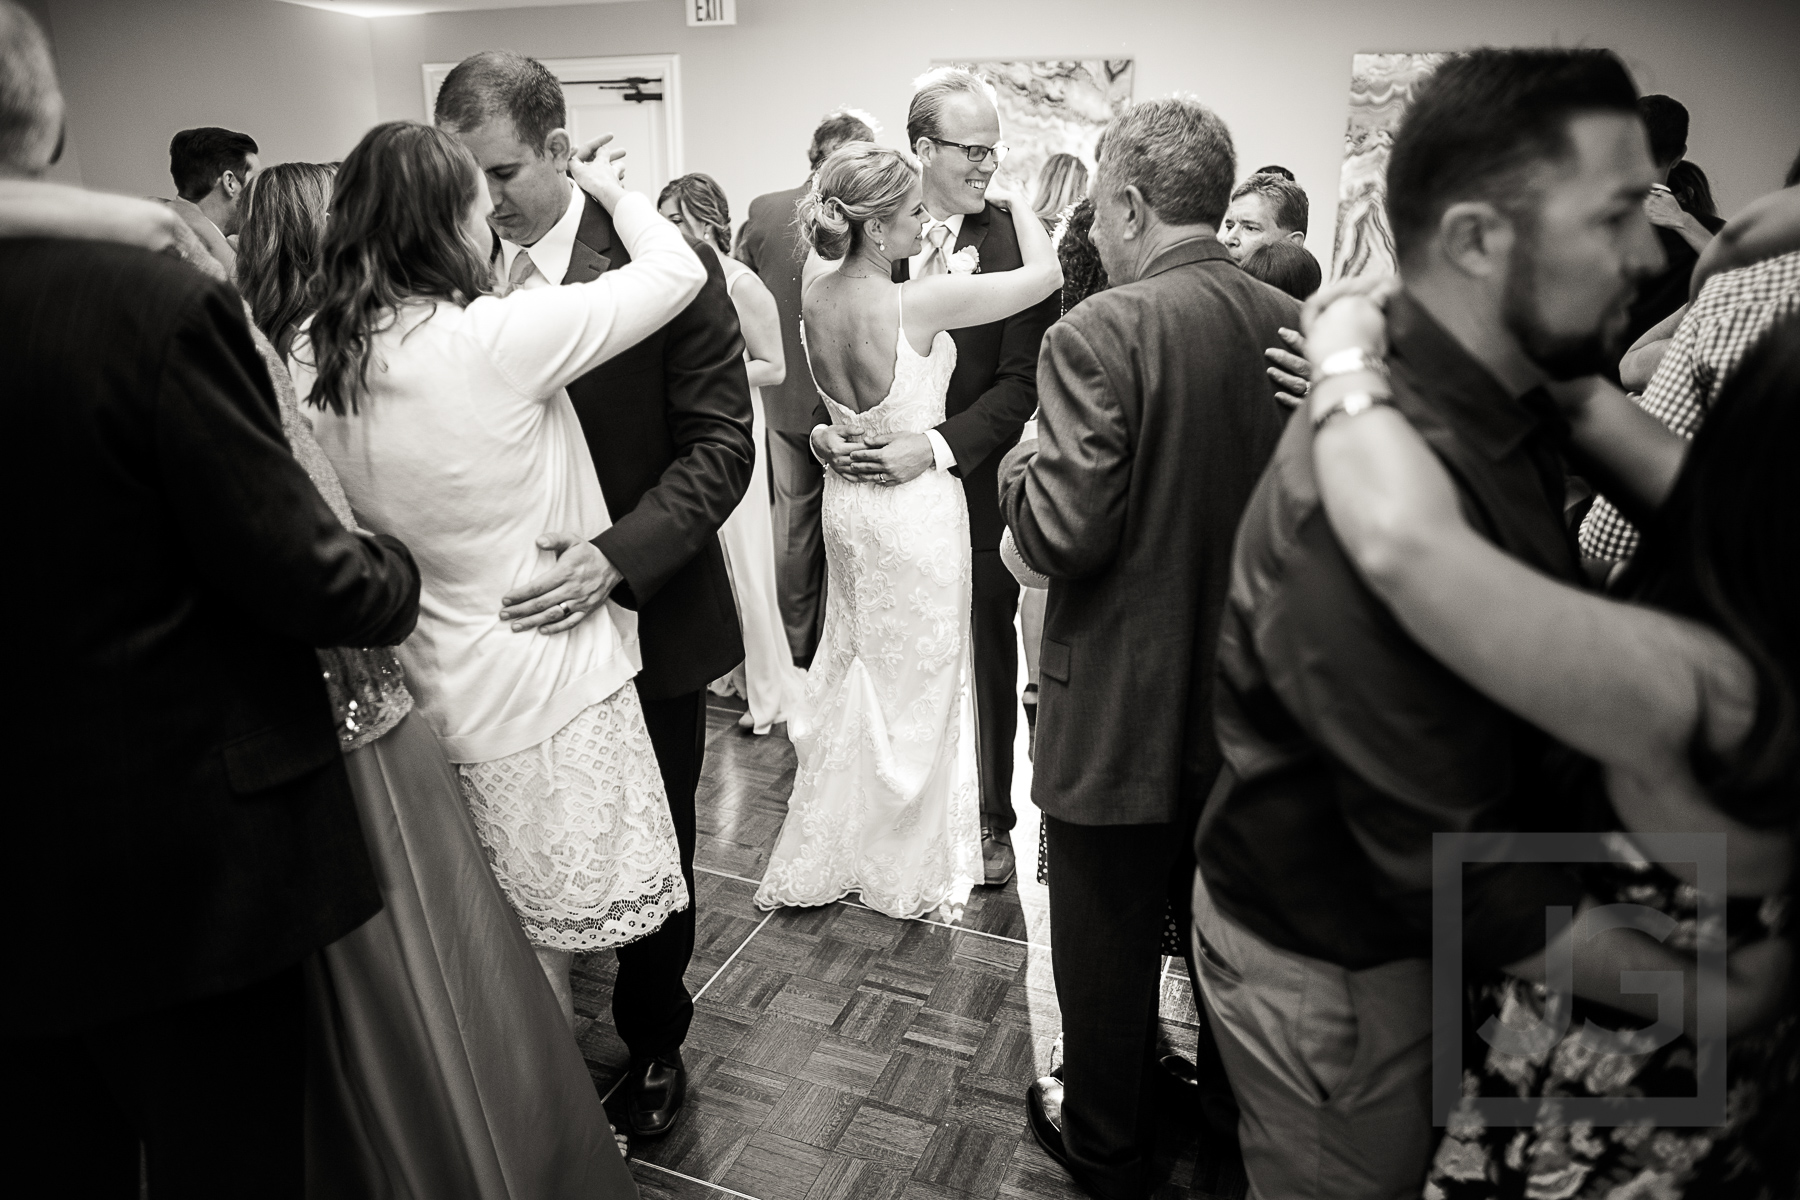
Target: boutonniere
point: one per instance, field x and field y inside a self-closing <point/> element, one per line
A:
<point x="966" y="261"/>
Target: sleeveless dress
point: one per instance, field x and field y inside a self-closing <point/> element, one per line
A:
<point x="885" y="798"/>
<point x="767" y="679"/>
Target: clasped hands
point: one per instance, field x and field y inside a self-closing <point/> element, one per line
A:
<point x="884" y="459"/>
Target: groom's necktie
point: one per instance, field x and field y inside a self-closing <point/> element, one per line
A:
<point x="937" y="233"/>
<point x="522" y="269"/>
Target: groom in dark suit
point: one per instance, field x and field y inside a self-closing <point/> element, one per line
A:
<point x="954" y="129"/>
<point x="668" y="426"/>
<point x="1157" y="421"/>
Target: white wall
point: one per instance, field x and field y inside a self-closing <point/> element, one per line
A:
<point x="298" y="80"/>
<point x="307" y="83"/>
<point x="1278" y="71"/>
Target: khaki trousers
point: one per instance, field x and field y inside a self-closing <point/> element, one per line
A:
<point x="1331" y="1067"/>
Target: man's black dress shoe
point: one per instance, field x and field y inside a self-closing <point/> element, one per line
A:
<point x="654" y="1092"/>
<point x="1043" y="1108"/>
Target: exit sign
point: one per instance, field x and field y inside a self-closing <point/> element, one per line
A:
<point x="712" y="12"/>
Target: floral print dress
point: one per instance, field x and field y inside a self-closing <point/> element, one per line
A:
<point x="1753" y="1156"/>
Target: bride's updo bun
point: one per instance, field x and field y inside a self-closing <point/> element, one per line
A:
<point x="860" y="182"/>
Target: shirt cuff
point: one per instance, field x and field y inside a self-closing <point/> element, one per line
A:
<point x="940" y="450"/>
<point x="811" y="447"/>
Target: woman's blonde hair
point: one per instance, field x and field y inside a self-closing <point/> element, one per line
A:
<point x="860" y="182"/>
<point x="1061" y="183"/>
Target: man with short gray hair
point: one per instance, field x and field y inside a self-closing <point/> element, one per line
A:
<point x="1264" y="208"/>
<point x="1155" y="420"/>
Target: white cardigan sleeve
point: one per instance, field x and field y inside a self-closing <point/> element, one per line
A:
<point x="541" y="339"/>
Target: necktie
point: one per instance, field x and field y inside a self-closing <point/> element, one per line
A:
<point x="522" y="269"/>
<point x="936" y="262"/>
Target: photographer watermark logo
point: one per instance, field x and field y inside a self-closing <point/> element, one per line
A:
<point x="1536" y="1039"/>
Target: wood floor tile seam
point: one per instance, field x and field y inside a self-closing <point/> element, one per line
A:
<point x="740" y="949"/>
<point x="705" y="1183"/>
<point x="727" y="875"/>
<point x="998" y="937"/>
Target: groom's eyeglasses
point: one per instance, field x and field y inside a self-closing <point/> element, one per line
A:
<point x="977" y="153"/>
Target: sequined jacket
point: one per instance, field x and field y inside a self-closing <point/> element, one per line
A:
<point x="367" y="686"/>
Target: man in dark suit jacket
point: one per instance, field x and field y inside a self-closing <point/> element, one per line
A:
<point x="668" y="425"/>
<point x="1157" y="418"/>
<point x="770" y="244"/>
<point x="954" y="129"/>
<point x="183" y="825"/>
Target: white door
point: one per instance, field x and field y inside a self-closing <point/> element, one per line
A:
<point x="638" y="127"/>
<point x="636" y="99"/>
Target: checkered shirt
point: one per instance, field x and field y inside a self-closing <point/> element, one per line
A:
<point x="1732" y="313"/>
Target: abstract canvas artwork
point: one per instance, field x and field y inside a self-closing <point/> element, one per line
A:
<point x="1051" y="106"/>
<point x="1381" y="86"/>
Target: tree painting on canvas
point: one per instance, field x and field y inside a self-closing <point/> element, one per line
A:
<point x="1051" y="106"/>
<point x="1381" y="86"/>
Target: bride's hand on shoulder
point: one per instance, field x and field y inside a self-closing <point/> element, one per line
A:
<point x="597" y="172"/>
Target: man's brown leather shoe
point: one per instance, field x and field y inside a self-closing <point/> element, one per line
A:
<point x="654" y="1092"/>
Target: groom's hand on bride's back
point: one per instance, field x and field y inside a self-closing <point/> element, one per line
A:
<point x="557" y="600"/>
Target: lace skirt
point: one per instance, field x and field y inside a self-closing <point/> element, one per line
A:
<point x="578" y="832"/>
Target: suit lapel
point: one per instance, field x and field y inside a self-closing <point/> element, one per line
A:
<point x="588" y="259"/>
<point x="974" y="231"/>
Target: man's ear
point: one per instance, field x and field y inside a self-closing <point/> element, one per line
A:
<point x="1137" y="212"/>
<point x="924" y="149"/>
<point x="1297" y="237"/>
<point x="557" y="148"/>
<point x="230" y="184"/>
<point x="1477" y="238"/>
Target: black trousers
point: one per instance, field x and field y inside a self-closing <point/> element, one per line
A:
<point x="651" y="1006"/>
<point x="212" y="1090"/>
<point x="996" y="604"/>
<point x="1109" y="885"/>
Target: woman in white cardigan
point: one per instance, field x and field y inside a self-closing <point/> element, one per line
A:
<point x="443" y="412"/>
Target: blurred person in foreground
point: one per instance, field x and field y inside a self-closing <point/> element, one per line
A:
<point x="220" y="842"/>
<point x="771" y="244"/>
<point x="1515" y="192"/>
<point x="1150" y="438"/>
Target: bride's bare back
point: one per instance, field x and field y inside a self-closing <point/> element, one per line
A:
<point x="852" y="312"/>
<point x="851" y="324"/>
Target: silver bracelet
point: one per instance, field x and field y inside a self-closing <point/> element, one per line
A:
<point x="1351" y="404"/>
<point x="1349" y="361"/>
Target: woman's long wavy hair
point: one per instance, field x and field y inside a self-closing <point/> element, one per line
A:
<point x="1723" y="550"/>
<point x="395" y="236"/>
<point x="701" y="198"/>
<point x="278" y="246"/>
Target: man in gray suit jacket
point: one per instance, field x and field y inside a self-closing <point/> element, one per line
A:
<point x="1156" y="419"/>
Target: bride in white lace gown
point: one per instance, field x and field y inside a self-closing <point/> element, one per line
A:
<point x="885" y="798"/>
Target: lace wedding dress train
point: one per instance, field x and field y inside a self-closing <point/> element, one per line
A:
<point x="885" y="798"/>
